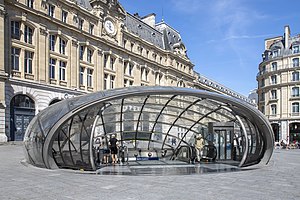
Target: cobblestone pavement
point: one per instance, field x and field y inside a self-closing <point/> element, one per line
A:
<point x="279" y="180"/>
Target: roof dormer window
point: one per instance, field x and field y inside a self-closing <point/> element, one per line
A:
<point x="296" y="49"/>
<point x="275" y="53"/>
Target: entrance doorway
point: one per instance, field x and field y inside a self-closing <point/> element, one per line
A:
<point x="223" y="143"/>
<point x="275" y="128"/>
<point x="294" y="132"/>
<point x="22" y="110"/>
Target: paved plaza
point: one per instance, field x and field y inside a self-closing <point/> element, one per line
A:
<point x="279" y="180"/>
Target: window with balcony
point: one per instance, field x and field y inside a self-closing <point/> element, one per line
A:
<point x="52" y="42"/>
<point x="112" y="81"/>
<point x="81" y="76"/>
<point x="273" y="79"/>
<point x="89" y="55"/>
<point x="81" y="52"/>
<point x="295" y="92"/>
<point x="274" y="66"/>
<point x="296" y="62"/>
<point x="29" y="3"/>
<point x="273" y="94"/>
<point x="52" y="63"/>
<point x="62" y="46"/>
<point x="64" y="15"/>
<point x="15" y="29"/>
<point x="295" y="76"/>
<point x="89" y="77"/>
<point x="296" y="49"/>
<point x="51" y="9"/>
<point x="15" y="56"/>
<point x="273" y="109"/>
<point x="28" y="34"/>
<point x="62" y="71"/>
<point x="295" y="107"/>
<point x="28" y="62"/>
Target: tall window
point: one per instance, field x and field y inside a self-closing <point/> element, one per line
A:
<point x="262" y="83"/>
<point x="28" y="34"/>
<point x="28" y="62"/>
<point x="105" y="61"/>
<point x="81" y="75"/>
<point x="273" y="94"/>
<point x="105" y="81"/>
<point x="274" y="66"/>
<point x="51" y="9"/>
<point x="91" y="28"/>
<point x="125" y="67"/>
<point x="157" y="78"/>
<point x="262" y="96"/>
<point x="89" y="77"/>
<point x="52" y="42"/>
<point x="62" y="46"/>
<point x="29" y="3"/>
<point x="295" y="76"/>
<point x="89" y="55"/>
<point x="80" y="24"/>
<point x="62" y="71"/>
<point x="295" y="107"/>
<point x="273" y="109"/>
<point x="52" y="63"/>
<point x="296" y="62"/>
<point x="296" y="49"/>
<point x="64" y="15"/>
<point x="112" y="81"/>
<point x="295" y="92"/>
<point x="112" y="62"/>
<point x="274" y="79"/>
<point x="15" y="29"/>
<point x="81" y="52"/>
<point x="15" y="55"/>
<point x="130" y="70"/>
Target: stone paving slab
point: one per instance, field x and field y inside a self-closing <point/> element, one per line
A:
<point x="279" y="180"/>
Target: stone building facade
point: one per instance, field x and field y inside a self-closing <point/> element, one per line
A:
<point x="278" y="85"/>
<point x="57" y="49"/>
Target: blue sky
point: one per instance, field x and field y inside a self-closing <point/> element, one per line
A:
<point x="224" y="38"/>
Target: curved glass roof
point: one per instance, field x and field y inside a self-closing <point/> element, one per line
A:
<point x="163" y="121"/>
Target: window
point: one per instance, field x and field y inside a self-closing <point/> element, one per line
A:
<point x="296" y="49"/>
<point x="274" y="79"/>
<point x="28" y="62"/>
<point x="105" y="61"/>
<point x="274" y="66"/>
<point x="89" y="55"/>
<point x="130" y="83"/>
<point x="62" y="46"/>
<point x="125" y="67"/>
<point x="262" y="109"/>
<point x="52" y="42"/>
<point x="89" y="77"/>
<point x="51" y="9"/>
<point x="124" y="43"/>
<point x="262" y="96"/>
<point x="273" y="109"/>
<point x="29" y="3"/>
<point x="130" y="72"/>
<point x="52" y="68"/>
<point x="141" y="50"/>
<point x="64" y="15"/>
<point x="112" y="62"/>
<point x="296" y="62"/>
<point x="81" y="75"/>
<point x="125" y="82"/>
<point x="15" y="55"/>
<point x="295" y="76"/>
<point x="295" y="92"/>
<point x="28" y="35"/>
<point x="262" y="83"/>
<point x="131" y="46"/>
<point x="112" y="81"/>
<point x="273" y="94"/>
<point x="158" y="78"/>
<point x="62" y="71"/>
<point x="81" y="52"/>
<point x="91" y="28"/>
<point x="80" y="24"/>
<point x="295" y="107"/>
<point x="15" y="30"/>
<point x="105" y="81"/>
<point x="275" y="53"/>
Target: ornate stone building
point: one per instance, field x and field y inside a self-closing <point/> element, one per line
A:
<point x="278" y="85"/>
<point x="54" y="49"/>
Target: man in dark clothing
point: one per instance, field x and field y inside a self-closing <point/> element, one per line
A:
<point x="113" y="142"/>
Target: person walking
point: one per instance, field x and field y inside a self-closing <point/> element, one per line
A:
<point x="199" y="143"/>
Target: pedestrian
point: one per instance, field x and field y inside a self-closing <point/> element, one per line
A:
<point x="199" y="143"/>
<point x="113" y="145"/>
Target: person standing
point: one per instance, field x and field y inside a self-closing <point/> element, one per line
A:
<point x="199" y="143"/>
<point x="113" y="142"/>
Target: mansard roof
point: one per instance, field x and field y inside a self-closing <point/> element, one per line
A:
<point x="85" y="4"/>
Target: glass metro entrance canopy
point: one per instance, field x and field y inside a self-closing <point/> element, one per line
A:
<point x="150" y="122"/>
